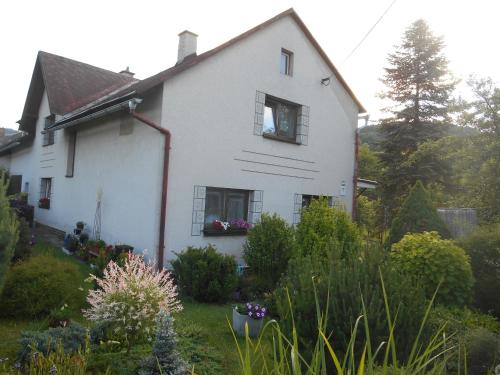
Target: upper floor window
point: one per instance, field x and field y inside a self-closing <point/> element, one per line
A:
<point x="226" y="211"/>
<point x="286" y="62"/>
<point x="280" y="119"/>
<point x="48" y="137"/>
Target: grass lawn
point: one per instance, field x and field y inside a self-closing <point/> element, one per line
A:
<point x="204" y="337"/>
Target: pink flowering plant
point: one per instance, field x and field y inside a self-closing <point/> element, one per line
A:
<point x="253" y="310"/>
<point x="129" y="298"/>
<point x="239" y="224"/>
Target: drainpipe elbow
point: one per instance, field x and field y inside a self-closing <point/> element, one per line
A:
<point x="132" y="104"/>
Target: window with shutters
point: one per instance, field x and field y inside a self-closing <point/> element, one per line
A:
<point x="48" y="136"/>
<point x="226" y="211"/>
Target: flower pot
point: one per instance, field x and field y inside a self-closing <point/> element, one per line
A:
<point x="239" y="322"/>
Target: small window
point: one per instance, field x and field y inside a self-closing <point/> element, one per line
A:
<point x="45" y="193"/>
<point x="48" y="137"/>
<point x="286" y="62"/>
<point x="226" y="211"/>
<point x="280" y="119"/>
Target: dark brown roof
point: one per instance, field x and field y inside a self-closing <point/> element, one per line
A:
<point x="69" y="85"/>
<point x="142" y="86"/>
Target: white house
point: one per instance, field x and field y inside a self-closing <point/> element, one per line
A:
<point x="259" y="124"/>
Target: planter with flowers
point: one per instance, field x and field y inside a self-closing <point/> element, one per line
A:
<point x="44" y="203"/>
<point x="227" y="228"/>
<point x="249" y="314"/>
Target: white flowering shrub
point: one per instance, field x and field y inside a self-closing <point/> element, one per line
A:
<point x="128" y="299"/>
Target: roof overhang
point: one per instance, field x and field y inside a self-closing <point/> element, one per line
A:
<point x="366" y="184"/>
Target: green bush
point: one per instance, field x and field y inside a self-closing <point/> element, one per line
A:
<point x="473" y="333"/>
<point x="483" y="247"/>
<point x="9" y="231"/>
<point x="321" y="225"/>
<point x="268" y="248"/>
<point x="417" y="215"/>
<point x="205" y="274"/>
<point x="432" y="261"/>
<point x="341" y="285"/>
<point x="72" y="338"/>
<point x="23" y="247"/>
<point x="34" y="287"/>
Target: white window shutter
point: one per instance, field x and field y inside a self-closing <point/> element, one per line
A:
<point x="302" y="135"/>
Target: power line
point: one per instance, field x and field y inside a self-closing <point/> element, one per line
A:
<point x="369" y="31"/>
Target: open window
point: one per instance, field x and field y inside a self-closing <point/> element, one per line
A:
<point x="280" y="119"/>
<point x="226" y="211"/>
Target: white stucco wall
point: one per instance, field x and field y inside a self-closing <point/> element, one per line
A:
<point x="210" y="110"/>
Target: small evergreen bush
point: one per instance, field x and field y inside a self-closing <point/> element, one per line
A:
<point x="36" y="286"/>
<point x="205" y="274"/>
<point x="320" y="225"/>
<point x="72" y="339"/>
<point x="432" y="261"/>
<point x="268" y="248"/>
<point x="165" y="358"/>
<point x="483" y="247"/>
<point x="417" y="215"/>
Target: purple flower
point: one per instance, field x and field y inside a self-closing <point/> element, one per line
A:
<point x="250" y="313"/>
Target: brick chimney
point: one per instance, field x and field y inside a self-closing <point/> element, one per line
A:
<point x="187" y="45"/>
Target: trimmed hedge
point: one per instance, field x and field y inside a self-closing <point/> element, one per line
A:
<point x="36" y="286"/>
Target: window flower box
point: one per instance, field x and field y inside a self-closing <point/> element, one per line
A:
<point x="237" y="227"/>
<point x="44" y="203"/>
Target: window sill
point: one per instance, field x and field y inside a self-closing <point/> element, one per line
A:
<point x="229" y="232"/>
<point x="281" y="139"/>
<point x="44" y="207"/>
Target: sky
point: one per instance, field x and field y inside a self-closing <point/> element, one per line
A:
<point x="143" y="35"/>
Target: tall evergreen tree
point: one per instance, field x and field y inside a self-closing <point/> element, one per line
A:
<point x="419" y="85"/>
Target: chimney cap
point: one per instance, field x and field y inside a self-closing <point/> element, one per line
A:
<point x="187" y="32"/>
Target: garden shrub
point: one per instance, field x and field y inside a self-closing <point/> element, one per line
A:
<point x="417" y="215"/>
<point x="8" y="229"/>
<point x="205" y="274"/>
<point x="483" y="247"/>
<point x="320" y="225"/>
<point x="130" y="297"/>
<point x="433" y="262"/>
<point x="476" y="334"/>
<point x="341" y="282"/>
<point x="23" y="248"/>
<point x="72" y="339"/>
<point x="164" y="358"/>
<point x="268" y="248"/>
<point x="36" y="286"/>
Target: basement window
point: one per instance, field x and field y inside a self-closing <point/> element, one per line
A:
<point x="226" y="206"/>
<point x="48" y="137"/>
<point x="286" y="63"/>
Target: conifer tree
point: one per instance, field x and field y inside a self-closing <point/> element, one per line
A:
<point x="164" y="359"/>
<point x="8" y="229"/>
<point x="417" y="215"/>
<point x="419" y="85"/>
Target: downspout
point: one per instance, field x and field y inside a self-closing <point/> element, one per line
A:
<point x="166" y="154"/>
